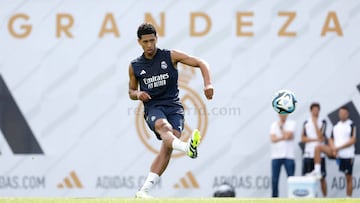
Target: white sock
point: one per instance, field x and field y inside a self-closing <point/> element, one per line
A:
<point x="317" y="168"/>
<point x="179" y="145"/>
<point x="150" y="181"/>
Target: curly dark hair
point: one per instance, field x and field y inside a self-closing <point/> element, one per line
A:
<point x="145" y="29"/>
<point x="314" y="104"/>
<point x="344" y="108"/>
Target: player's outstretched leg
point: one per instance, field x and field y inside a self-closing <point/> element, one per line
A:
<point x="150" y="181"/>
<point x="193" y="143"/>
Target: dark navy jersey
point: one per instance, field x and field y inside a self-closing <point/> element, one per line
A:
<point x="158" y="77"/>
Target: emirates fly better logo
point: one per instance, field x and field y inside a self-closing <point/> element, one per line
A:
<point x="195" y="114"/>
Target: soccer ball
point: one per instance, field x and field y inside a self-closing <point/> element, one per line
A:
<point x="284" y="102"/>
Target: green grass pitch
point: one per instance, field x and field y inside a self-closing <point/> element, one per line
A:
<point x="178" y="200"/>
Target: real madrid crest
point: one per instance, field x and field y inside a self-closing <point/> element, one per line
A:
<point x="163" y="65"/>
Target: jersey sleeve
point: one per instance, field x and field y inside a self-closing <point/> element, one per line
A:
<point x="304" y="128"/>
<point x="323" y="128"/>
<point x="353" y="130"/>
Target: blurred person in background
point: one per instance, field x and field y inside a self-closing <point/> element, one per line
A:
<point x="341" y="146"/>
<point x="282" y="150"/>
<point x="313" y="134"/>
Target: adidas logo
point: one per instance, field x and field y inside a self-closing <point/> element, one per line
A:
<point x="187" y="182"/>
<point x="142" y="72"/>
<point x="70" y="181"/>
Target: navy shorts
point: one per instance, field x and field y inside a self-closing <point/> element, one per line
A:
<point x="345" y="165"/>
<point x="308" y="166"/>
<point x="173" y="114"/>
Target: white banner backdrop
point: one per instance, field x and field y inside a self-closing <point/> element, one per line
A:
<point x="65" y="63"/>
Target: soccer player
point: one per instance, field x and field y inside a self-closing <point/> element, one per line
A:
<point x="313" y="134"/>
<point x="155" y="71"/>
<point x="341" y="145"/>
<point x="282" y="150"/>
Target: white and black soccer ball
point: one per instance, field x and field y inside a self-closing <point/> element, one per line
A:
<point x="284" y="102"/>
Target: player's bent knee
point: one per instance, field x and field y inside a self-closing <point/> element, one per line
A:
<point x="320" y="147"/>
<point x="177" y="133"/>
<point x="162" y="125"/>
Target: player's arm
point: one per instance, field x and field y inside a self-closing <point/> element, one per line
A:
<point x="288" y="135"/>
<point x="304" y="137"/>
<point x="133" y="84"/>
<point x="273" y="136"/>
<point x="323" y="130"/>
<point x="331" y="141"/>
<point x="275" y="139"/>
<point x="178" y="56"/>
<point x="351" y="141"/>
<point x="332" y="145"/>
<point x="318" y="131"/>
<point x="134" y="93"/>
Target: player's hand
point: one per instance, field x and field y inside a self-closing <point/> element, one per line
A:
<point x="314" y="120"/>
<point x="209" y="91"/>
<point x="333" y="151"/>
<point x="143" y="96"/>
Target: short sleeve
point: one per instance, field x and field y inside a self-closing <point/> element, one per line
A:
<point x="304" y="127"/>
<point x="272" y="128"/>
<point x="353" y="130"/>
